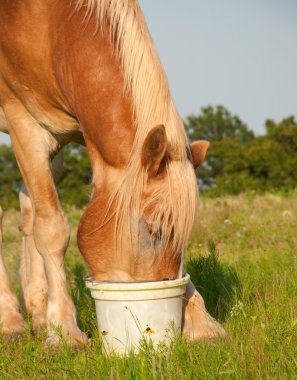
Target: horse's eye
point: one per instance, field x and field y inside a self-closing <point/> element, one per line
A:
<point x="156" y="233"/>
<point x="148" y="237"/>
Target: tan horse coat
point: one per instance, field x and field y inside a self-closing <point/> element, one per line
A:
<point x="75" y="73"/>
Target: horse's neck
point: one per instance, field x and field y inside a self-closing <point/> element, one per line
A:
<point x="92" y="81"/>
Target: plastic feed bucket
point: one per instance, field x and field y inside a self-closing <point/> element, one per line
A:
<point x="132" y="313"/>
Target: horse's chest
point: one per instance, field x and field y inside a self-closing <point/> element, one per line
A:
<point x="51" y="117"/>
<point x="56" y="121"/>
<point x="46" y="109"/>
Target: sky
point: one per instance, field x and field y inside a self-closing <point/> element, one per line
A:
<point x="241" y="54"/>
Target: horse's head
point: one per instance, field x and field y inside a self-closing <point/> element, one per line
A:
<point x="169" y="202"/>
<point x="143" y="231"/>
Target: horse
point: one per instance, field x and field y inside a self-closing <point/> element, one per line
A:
<point x="87" y="71"/>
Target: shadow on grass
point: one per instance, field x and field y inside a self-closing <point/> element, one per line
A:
<point x="217" y="282"/>
<point x="86" y="314"/>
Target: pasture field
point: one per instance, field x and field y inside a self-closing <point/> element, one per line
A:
<point x="243" y="259"/>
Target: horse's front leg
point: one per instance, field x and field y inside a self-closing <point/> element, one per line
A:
<point x="197" y="323"/>
<point x="11" y="320"/>
<point x="32" y="273"/>
<point x="32" y="146"/>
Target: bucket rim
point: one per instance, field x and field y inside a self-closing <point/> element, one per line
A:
<point x="137" y="285"/>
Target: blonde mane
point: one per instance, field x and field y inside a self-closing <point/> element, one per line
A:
<point x="145" y="80"/>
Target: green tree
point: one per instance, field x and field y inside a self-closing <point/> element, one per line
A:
<point x="226" y="134"/>
<point x="256" y="165"/>
<point x="10" y="178"/>
<point x="223" y="157"/>
<point x="285" y="134"/>
<point x="238" y="161"/>
<point x="74" y="185"/>
<point x="215" y="124"/>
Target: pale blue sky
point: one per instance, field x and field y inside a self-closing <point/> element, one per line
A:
<point x="238" y="53"/>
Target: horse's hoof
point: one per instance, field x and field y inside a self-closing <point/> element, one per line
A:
<point x="209" y="329"/>
<point x="52" y="340"/>
<point x="77" y="339"/>
<point x="13" y="336"/>
<point x="13" y="328"/>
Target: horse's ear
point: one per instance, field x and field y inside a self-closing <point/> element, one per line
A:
<point x="154" y="150"/>
<point x="198" y="151"/>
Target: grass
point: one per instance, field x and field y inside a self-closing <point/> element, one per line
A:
<point x="242" y="258"/>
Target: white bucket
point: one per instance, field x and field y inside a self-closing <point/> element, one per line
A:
<point x="132" y="313"/>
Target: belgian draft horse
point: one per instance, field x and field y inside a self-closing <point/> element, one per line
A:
<point x="87" y="71"/>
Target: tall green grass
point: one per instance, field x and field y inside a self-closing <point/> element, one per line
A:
<point x="242" y="258"/>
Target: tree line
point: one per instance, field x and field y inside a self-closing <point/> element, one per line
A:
<point x="237" y="160"/>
